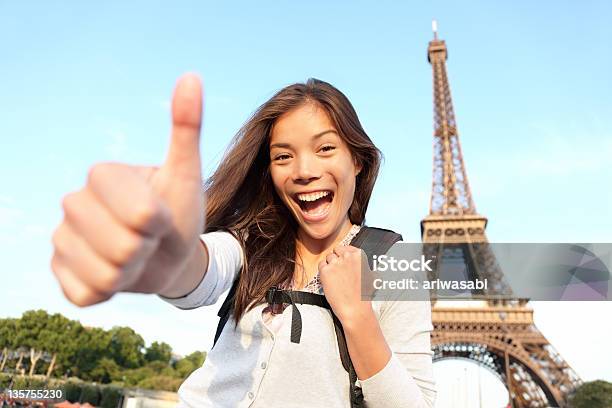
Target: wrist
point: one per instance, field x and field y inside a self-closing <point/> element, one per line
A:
<point x="189" y="276"/>
<point x="358" y="316"/>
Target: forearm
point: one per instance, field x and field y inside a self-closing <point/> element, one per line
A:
<point x="366" y="343"/>
<point x="385" y="381"/>
<point x="191" y="275"/>
<point x="405" y="378"/>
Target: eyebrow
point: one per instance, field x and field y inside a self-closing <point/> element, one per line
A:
<point x="318" y="135"/>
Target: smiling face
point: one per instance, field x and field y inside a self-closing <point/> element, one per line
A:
<point x="313" y="171"/>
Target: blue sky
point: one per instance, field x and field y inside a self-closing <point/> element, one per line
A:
<point x="82" y="83"/>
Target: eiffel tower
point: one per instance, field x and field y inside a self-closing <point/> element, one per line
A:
<point x="495" y="331"/>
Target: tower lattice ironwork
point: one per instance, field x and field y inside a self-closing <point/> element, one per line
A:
<point x="497" y="332"/>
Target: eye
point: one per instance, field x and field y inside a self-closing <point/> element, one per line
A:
<point x="281" y="157"/>
<point x="327" y="148"/>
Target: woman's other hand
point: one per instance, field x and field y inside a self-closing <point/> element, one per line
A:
<point x="340" y="275"/>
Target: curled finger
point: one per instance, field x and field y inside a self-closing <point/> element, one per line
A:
<point x="91" y="269"/>
<point x="75" y="290"/>
<point x="332" y="258"/>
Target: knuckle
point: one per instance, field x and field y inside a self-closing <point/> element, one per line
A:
<point x="70" y="203"/>
<point x="76" y="297"/>
<point x="58" y="240"/>
<point x="55" y="266"/>
<point x="84" y="296"/>
<point x="109" y="280"/>
<point x="96" y="173"/>
<point x="127" y="249"/>
<point x="81" y="297"/>
<point x="80" y="294"/>
<point x="144" y="214"/>
<point x="55" y="238"/>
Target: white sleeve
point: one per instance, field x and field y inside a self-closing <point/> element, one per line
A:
<point x="225" y="260"/>
<point x="407" y="380"/>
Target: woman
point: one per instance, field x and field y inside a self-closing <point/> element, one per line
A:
<point x="288" y="198"/>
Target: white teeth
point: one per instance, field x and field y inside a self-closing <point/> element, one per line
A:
<point x="312" y="196"/>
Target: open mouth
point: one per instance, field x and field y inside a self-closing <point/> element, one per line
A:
<point x="314" y="205"/>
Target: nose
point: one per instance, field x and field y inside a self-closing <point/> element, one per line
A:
<point x="306" y="169"/>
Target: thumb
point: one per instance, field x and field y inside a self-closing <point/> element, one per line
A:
<point x="184" y="153"/>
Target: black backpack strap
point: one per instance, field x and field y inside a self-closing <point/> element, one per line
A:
<point x="226" y="309"/>
<point x="375" y="241"/>
<point x="275" y="296"/>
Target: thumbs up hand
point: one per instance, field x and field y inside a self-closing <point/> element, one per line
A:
<point x="134" y="228"/>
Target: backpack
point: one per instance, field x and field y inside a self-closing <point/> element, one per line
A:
<point x="373" y="241"/>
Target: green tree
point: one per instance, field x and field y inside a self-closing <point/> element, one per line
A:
<point x="126" y="347"/>
<point x="91" y="353"/>
<point x="92" y="345"/>
<point x="76" y="348"/>
<point x="132" y="377"/>
<point x="197" y="357"/>
<point x="161" y="382"/>
<point x="44" y="335"/>
<point x="190" y="363"/>
<point x="106" y="371"/>
<point x="8" y="333"/>
<point x="593" y="394"/>
<point x="28" y="335"/>
<point x="161" y="368"/>
<point x="158" y="352"/>
<point x="57" y="338"/>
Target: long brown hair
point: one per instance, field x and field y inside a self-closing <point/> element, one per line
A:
<point x="241" y="197"/>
